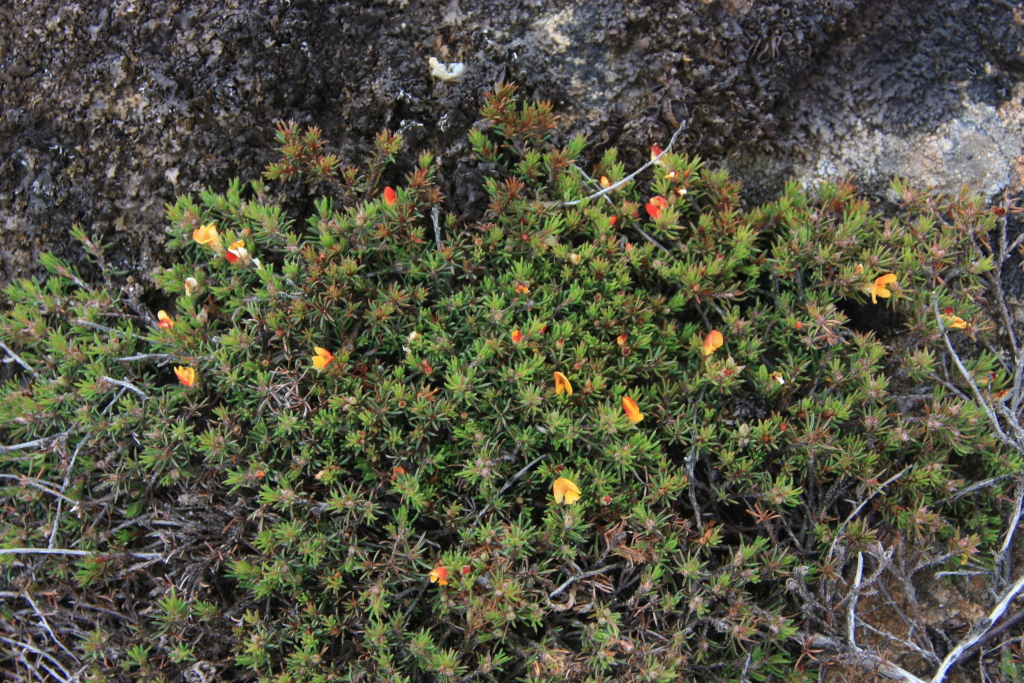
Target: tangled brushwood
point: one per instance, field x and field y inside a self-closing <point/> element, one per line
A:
<point x="622" y="429"/>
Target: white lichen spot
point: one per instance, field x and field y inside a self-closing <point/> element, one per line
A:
<point x="446" y="73"/>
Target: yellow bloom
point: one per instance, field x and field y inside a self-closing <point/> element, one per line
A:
<point x="321" y="357"/>
<point x="165" y="321"/>
<point x="879" y="288"/>
<point x="186" y="376"/>
<point x="777" y="376"/>
<point x="632" y="410"/>
<point x="562" y="385"/>
<point x="954" y="322"/>
<point x="206" y="234"/>
<point x="605" y="183"/>
<point x="712" y="342"/>
<point x="439" y="575"/>
<point x="565" y="491"/>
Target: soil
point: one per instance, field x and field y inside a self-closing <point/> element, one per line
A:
<point x="110" y="109"/>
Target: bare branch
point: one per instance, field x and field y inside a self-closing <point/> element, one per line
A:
<point x="632" y="175"/>
<point x="127" y="385"/>
<point x="18" y="359"/>
<point x="978" y="631"/>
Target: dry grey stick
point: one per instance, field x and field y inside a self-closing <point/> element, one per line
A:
<point x="32" y="649"/>
<point x="35" y="483"/>
<point x="635" y="225"/>
<point x="858" y="657"/>
<point x="68" y="551"/>
<point x="435" y="214"/>
<point x="632" y="175"/>
<point x="150" y="356"/>
<point x="127" y="385"/>
<point x="46" y="625"/>
<point x="18" y="359"/>
<point x="851" y="609"/>
<point x="515" y="477"/>
<point x="978" y="631"/>
<point x="44" y="441"/>
<point x="584" y="575"/>
<point x="849" y="518"/>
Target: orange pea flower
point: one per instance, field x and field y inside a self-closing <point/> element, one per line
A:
<point x="321" y="358"/>
<point x="562" y="385"/>
<point x="613" y="220"/>
<point x="207" y="234"/>
<point x="517" y="336"/>
<point x="566" y="492"/>
<point x="655" y="207"/>
<point x="165" y="321"/>
<point x="439" y="575"/>
<point x="632" y="410"/>
<point x="186" y="376"/>
<point x="237" y="252"/>
<point x="391" y="197"/>
<point x="655" y="153"/>
<point x="605" y="183"/>
<point x="522" y="289"/>
<point x="712" y="342"/>
<point x="622" y="339"/>
<point x="953" y="321"/>
<point x="879" y="288"/>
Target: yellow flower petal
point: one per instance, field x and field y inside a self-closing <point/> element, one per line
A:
<point x="439" y="575"/>
<point x="322" y="357"/>
<point x="879" y="288"/>
<point x="186" y="376"/>
<point x="565" y="491"/>
<point x="632" y="410"/>
<point x="712" y="342"/>
<point x="562" y="385"/>
<point x="206" y="234"/>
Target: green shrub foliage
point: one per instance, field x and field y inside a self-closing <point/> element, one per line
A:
<point x="280" y="522"/>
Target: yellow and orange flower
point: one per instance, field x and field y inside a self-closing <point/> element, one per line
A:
<point x="656" y="206"/>
<point x="517" y="336"/>
<point x="207" y="234"/>
<point x="439" y="575"/>
<point x="165" y="321"/>
<point x="622" y="339"/>
<point x="612" y="220"/>
<point x="605" y="183"/>
<point x="632" y="410"/>
<point x="712" y="342"/>
<point x="522" y="289"/>
<point x="566" y="492"/>
<point x="390" y="196"/>
<point x="878" y="289"/>
<point x="186" y="376"/>
<point x="321" y="357"/>
<point x="562" y="385"/>
<point x="237" y="252"/>
<point x="953" y="321"/>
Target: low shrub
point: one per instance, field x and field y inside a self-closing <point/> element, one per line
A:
<point x="642" y="436"/>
